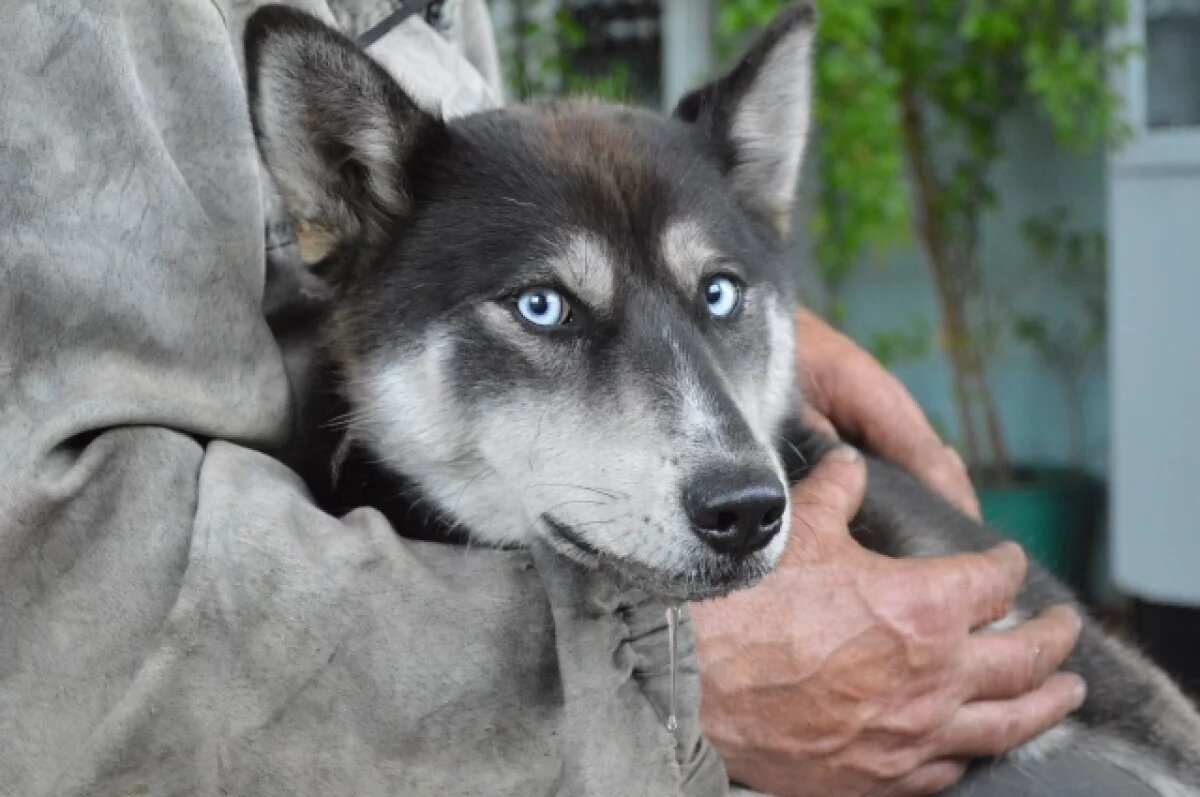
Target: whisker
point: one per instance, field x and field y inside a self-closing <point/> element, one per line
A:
<point x="613" y="494"/>
<point x="578" y="501"/>
<point x="518" y="202"/>
<point x="537" y="435"/>
<point x="344" y="420"/>
<point x="462" y="494"/>
<point x="600" y="522"/>
<point x="795" y="450"/>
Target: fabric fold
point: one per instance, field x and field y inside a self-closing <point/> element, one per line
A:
<point x="616" y="705"/>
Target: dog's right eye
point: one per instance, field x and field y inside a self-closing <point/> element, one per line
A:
<point x="723" y="296"/>
<point x="543" y="307"/>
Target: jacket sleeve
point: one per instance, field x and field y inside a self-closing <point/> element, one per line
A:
<point x="173" y="609"/>
<point x="176" y="616"/>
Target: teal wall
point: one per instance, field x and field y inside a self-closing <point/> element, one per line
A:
<point x="1033" y="177"/>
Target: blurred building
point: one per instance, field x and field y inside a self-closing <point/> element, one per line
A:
<point x="1154" y="229"/>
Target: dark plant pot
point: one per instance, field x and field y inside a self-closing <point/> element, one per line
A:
<point x="1054" y="513"/>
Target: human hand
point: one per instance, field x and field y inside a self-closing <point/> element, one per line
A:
<point x="850" y="673"/>
<point x="848" y="393"/>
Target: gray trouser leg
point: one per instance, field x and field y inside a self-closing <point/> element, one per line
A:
<point x="1062" y="775"/>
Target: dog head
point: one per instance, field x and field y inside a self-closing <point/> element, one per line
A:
<point x="573" y="320"/>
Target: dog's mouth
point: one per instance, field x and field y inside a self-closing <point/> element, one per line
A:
<point x="568" y="535"/>
<point x="709" y="576"/>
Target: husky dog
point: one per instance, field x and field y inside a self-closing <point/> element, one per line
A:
<point x="575" y="322"/>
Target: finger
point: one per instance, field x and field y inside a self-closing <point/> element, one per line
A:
<point x="893" y="426"/>
<point x="817" y="352"/>
<point x="850" y="387"/>
<point x="1010" y="663"/>
<point x="814" y="419"/>
<point x="835" y="487"/>
<point x="931" y="778"/>
<point x="993" y="727"/>
<point x="984" y="585"/>
<point x="941" y="468"/>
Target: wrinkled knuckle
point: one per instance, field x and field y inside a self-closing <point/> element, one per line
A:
<point x="940" y="477"/>
<point x="889" y="766"/>
<point x="930" y="613"/>
<point x="889" y="384"/>
<point x="908" y="725"/>
<point x="942" y="711"/>
<point x="964" y="580"/>
<point x="1000" y="589"/>
<point x="992" y="744"/>
<point x="933" y="712"/>
<point x="1011" y="735"/>
<point x="1021" y="557"/>
<point x="905" y="762"/>
<point x="1020" y="674"/>
<point x="929" y="452"/>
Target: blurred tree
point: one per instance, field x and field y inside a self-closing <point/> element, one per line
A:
<point x="539" y="62"/>
<point x="1069" y="341"/>
<point x="918" y="89"/>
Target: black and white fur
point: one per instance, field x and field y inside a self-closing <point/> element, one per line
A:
<point x="442" y="407"/>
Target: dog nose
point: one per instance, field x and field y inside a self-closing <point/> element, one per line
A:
<point x="736" y="512"/>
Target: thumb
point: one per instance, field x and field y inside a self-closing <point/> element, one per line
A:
<point x="829" y="497"/>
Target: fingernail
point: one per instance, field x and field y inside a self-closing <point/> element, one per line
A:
<point x="1076" y="617"/>
<point x="844" y="453"/>
<point x="1080" y="692"/>
<point x="1006" y="549"/>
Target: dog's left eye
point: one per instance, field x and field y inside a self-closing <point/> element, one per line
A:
<point x="543" y="307"/>
<point x="723" y="295"/>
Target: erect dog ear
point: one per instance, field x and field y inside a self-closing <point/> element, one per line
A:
<point x="758" y="114"/>
<point x="334" y="129"/>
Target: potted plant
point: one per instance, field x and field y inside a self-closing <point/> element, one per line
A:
<point x="1054" y="509"/>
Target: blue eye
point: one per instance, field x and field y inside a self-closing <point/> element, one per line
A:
<point x="723" y="296"/>
<point x="543" y="307"/>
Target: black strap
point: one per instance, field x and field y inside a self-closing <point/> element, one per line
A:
<point x="410" y="7"/>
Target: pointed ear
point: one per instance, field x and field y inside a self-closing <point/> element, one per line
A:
<point x="334" y="129"/>
<point x="758" y="114"/>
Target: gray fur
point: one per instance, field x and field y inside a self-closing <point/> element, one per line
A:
<point x="452" y="415"/>
<point x="1134" y="717"/>
<point x="332" y="127"/>
<point x="589" y="436"/>
<point x="756" y="111"/>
